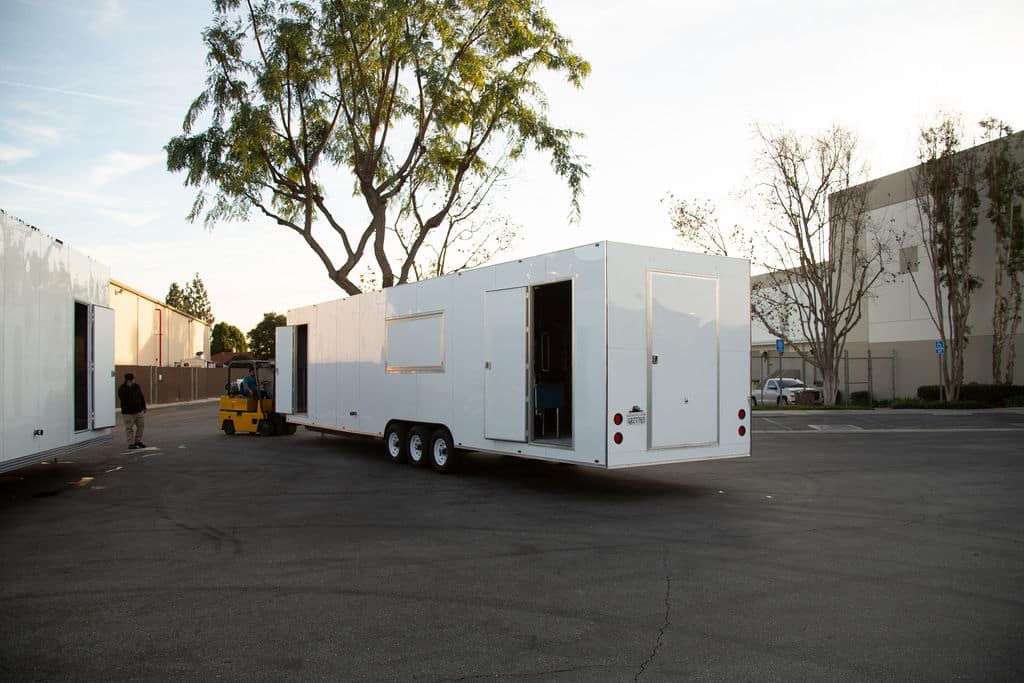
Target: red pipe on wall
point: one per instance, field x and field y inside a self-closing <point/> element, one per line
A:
<point x="160" y="337"/>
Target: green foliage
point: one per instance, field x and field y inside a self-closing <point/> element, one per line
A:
<point x="413" y="99"/>
<point x="262" y="337"/>
<point x="991" y="395"/>
<point x="175" y="297"/>
<point x="192" y="300"/>
<point x="227" y="337"/>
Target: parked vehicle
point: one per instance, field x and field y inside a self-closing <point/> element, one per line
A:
<point x="608" y="355"/>
<point x="784" y="390"/>
<point x="57" y="343"/>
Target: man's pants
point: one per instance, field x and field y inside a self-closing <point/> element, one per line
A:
<point x="134" y="425"/>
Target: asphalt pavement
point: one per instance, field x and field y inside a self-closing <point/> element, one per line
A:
<point x="867" y="546"/>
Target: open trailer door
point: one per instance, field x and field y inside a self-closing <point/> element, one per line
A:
<point x="505" y="364"/>
<point x="102" y="367"/>
<point x="284" y="370"/>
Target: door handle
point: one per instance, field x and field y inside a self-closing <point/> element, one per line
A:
<point x="487" y="365"/>
<point x="654" y="359"/>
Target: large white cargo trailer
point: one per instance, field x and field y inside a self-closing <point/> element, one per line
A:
<point x="56" y="345"/>
<point x="608" y="355"/>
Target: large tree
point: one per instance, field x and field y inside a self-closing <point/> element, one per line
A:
<point x="824" y="254"/>
<point x="193" y="299"/>
<point x="412" y="99"/>
<point x="1003" y="175"/>
<point x="945" y="185"/>
<point x="227" y="337"/>
<point x="820" y="252"/>
<point x="262" y="338"/>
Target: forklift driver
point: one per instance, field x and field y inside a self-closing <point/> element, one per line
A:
<point x="250" y="387"/>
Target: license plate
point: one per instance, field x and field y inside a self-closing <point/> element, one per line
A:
<point x="636" y="419"/>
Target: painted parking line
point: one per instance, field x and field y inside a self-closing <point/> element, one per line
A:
<point x="837" y="428"/>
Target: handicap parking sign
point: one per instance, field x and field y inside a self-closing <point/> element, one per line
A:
<point x="940" y="346"/>
<point x="780" y="345"/>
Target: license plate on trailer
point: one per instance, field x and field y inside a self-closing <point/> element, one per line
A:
<point x="636" y="419"/>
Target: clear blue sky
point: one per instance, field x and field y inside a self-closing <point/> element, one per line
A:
<point x="92" y="90"/>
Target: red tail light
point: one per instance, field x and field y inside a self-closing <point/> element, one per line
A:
<point x="742" y="414"/>
<point x="743" y="430"/>
<point x="618" y="437"/>
<point x="617" y="419"/>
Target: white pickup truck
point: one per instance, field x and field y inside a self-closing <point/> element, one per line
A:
<point x="783" y="390"/>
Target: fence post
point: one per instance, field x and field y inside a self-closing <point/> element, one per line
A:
<point x="846" y="376"/>
<point x="871" y="380"/>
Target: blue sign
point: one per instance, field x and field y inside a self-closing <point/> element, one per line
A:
<point x="940" y="346"/>
<point x="780" y="345"/>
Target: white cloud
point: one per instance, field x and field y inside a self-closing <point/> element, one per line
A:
<point x="10" y="154"/>
<point x="117" y="164"/>
<point x="32" y="132"/>
<point x="133" y="219"/>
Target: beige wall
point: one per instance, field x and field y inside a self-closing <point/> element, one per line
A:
<point x="148" y="332"/>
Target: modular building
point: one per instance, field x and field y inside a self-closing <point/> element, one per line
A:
<point x="608" y="355"/>
<point x="57" y="344"/>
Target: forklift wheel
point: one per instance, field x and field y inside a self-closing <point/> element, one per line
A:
<point x="229" y="427"/>
<point x="266" y="429"/>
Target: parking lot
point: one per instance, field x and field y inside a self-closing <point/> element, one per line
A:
<point x="853" y="546"/>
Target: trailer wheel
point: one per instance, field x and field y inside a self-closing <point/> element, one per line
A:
<point x="443" y="456"/>
<point x="419" y="445"/>
<point x="395" y="442"/>
<point x="229" y="427"/>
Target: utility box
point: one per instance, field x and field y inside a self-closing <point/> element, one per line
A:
<point x="608" y="355"/>
<point x="56" y="345"/>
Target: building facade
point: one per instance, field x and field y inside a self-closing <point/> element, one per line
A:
<point x="151" y="333"/>
<point x="896" y="337"/>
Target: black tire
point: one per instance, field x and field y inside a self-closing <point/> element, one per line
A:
<point x="396" y="442"/>
<point x="417" y="447"/>
<point x="443" y="456"/>
<point x="265" y="428"/>
<point x="229" y="427"/>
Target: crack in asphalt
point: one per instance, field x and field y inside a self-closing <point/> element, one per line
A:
<point x="667" y="622"/>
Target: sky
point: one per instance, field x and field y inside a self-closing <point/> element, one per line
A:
<point x="92" y="90"/>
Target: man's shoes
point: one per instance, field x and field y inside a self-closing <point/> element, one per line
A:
<point x="140" y="444"/>
<point x="133" y="447"/>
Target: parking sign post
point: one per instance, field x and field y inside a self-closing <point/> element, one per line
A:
<point x="940" y="348"/>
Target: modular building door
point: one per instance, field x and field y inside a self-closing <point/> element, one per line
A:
<point x="683" y="361"/>
<point x="505" y="364"/>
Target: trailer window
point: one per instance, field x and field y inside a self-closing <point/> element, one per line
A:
<point x="81" y="372"/>
<point x="552" y="363"/>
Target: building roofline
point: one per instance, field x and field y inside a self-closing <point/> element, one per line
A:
<point x="122" y="286"/>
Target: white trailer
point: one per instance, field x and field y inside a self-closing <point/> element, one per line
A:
<point x="608" y="355"/>
<point x="56" y="345"/>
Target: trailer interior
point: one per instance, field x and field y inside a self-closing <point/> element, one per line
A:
<point x="551" y="364"/>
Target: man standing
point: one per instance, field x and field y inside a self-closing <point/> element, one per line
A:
<point x="133" y="410"/>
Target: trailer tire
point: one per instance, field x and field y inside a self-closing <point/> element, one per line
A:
<point x="418" y="448"/>
<point x="443" y="456"/>
<point x="396" y="442"/>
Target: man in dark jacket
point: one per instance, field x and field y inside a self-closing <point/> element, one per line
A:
<point x="133" y="410"/>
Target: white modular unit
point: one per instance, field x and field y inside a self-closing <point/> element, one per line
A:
<point x="608" y="355"/>
<point x="56" y="346"/>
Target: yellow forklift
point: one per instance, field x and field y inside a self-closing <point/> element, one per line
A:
<point x="251" y="414"/>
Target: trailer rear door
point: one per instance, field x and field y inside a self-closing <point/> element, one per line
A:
<point x="284" y="370"/>
<point x="505" y="364"/>
<point x="103" y="379"/>
<point x="683" y="360"/>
